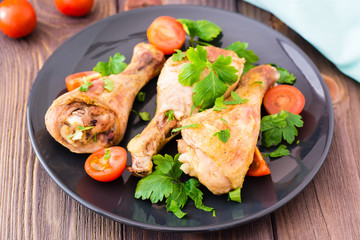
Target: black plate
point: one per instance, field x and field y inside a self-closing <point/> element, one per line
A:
<point x="115" y="200"/>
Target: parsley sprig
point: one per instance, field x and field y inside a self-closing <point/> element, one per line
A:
<point x="164" y="184"/>
<point x="115" y="65"/>
<point x="280" y="126"/>
<point x="240" y="48"/>
<point x="203" y="29"/>
<point x="214" y="84"/>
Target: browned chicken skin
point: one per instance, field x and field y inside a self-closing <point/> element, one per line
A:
<point x="171" y="95"/>
<point x="221" y="167"/>
<point x="104" y="114"/>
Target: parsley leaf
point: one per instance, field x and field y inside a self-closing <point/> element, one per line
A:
<point x="141" y="96"/>
<point x="280" y="126"/>
<point x="285" y="76"/>
<point x="203" y="29"/>
<point x="223" y="135"/>
<point x="235" y="195"/>
<point x="145" y="116"/>
<point x="237" y="99"/>
<point x="240" y="48"/>
<point x="183" y="127"/>
<point x="170" y="115"/>
<point x="280" y="151"/>
<point x="211" y="86"/>
<point x="78" y="134"/>
<point x="85" y="86"/>
<point x="115" y="65"/>
<point x="108" y="84"/>
<point x="107" y="154"/>
<point x="164" y="183"/>
<point x="219" y="104"/>
<point x="178" y="56"/>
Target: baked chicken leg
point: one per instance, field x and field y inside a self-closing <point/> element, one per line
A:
<point x="88" y="121"/>
<point x="171" y="96"/>
<point x="220" y="166"/>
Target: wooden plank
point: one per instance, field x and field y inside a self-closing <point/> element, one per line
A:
<point x="32" y="206"/>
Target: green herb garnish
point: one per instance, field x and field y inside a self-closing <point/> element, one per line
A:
<point x="107" y="154"/>
<point x="203" y="29"/>
<point x="179" y="55"/>
<point x="280" y="126"/>
<point x="85" y="86"/>
<point x="164" y="184"/>
<point x="223" y="135"/>
<point x="280" y="151"/>
<point x="235" y="195"/>
<point x="240" y="48"/>
<point x="141" y="96"/>
<point x="108" y="84"/>
<point x="195" y="125"/>
<point x="145" y="116"/>
<point x="81" y="129"/>
<point x="214" y="84"/>
<point x="115" y="65"/>
<point x="285" y="76"/>
<point x="237" y="99"/>
<point x="170" y="115"/>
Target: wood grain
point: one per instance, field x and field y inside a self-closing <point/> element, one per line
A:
<point x="32" y="206"/>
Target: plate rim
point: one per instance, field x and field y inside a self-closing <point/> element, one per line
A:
<point x="166" y="228"/>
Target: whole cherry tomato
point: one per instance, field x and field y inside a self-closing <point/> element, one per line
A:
<point x="75" y="8"/>
<point x="17" y="18"/>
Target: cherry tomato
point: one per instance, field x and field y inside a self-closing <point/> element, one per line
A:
<point x="166" y="34"/>
<point x="258" y="167"/>
<point x="75" y="80"/>
<point x="75" y="8"/>
<point x="106" y="164"/>
<point x="17" y="18"/>
<point x="284" y="97"/>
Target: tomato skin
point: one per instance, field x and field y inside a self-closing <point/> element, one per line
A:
<point x="166" y="34"/>
<point x="106" y="170"/>
<point x="284" y="97"/>
<point x="74" y="8"/>
<point x="258" y="167"/>
<point x="75" y="80"/>
<point x="17" y="18"/>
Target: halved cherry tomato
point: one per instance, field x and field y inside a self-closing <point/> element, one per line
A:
<point x="284" y="97"/>
<point x="258" y="167"/>
<point x="166" y="34"/>
<point x="75" y="8"/>
<point x="17" y="18"/>
<point x="106" y="164"/>
<point x="75" y="80"/>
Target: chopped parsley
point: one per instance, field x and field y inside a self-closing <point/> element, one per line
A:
<point x="285" y="76"/>
<point x="78" y="134"/>
<point x="108" y="84"/>
<point x="240" y="48"/>
<point x="279" y="152"/>
<point x="223" y="135"/>
<point x="179" y="55"/>
<point x="85" y="86"/>
<point x="164" y="184"/>
<point x="107" y="154"/>
<point x="145" y="116"/>
<point x="170" y="115"/>
<point x="195" y="125"/>
<point x="115" y="65"/>
<point x="237" y="99"/>
<point x="235" y="195"/>
<point x="141" y="96"/>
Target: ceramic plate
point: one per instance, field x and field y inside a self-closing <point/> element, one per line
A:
<point x="115" y="200"/>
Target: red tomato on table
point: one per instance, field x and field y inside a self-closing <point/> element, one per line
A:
<point x="75" y="8"/>
<point x="166" y="34"/>
<point x="106" y="164"/>
<point x="17" y="18"/>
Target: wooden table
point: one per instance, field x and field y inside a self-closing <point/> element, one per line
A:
<point x="32" y="206"/>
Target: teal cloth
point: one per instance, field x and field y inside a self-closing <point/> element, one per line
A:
<point x="331" y="26"/>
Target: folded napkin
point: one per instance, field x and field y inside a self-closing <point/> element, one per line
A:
<point x="331" y="26"/>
